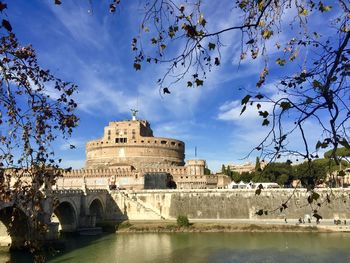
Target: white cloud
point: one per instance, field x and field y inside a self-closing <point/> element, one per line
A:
<point x="82" y="25"/>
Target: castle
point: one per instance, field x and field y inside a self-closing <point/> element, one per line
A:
<point x="128" y="156"/>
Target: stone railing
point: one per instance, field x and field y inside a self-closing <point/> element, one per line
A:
<point x="67" y="191"/>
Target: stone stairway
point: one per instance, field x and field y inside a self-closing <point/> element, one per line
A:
<point x="143" y="210"/>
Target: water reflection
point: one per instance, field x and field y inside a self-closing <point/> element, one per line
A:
<point x="208" y="247"/>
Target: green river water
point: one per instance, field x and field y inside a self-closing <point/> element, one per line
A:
<point x="202" y="247"/>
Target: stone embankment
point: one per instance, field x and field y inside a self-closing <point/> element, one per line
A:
<point x="221" y="204"/>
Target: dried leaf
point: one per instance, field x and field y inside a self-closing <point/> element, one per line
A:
<point x="166" y="91"/>
<point x="137" y="66"/>
<point x="6" y="24"/>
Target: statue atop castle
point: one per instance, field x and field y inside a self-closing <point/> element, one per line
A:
<point x="134" y="112"/>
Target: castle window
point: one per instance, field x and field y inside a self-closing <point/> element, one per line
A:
<point x="163" y="142"/>
<point x="155" y="141"/>
<point x="109" y="132"/>
<point x="142" y="141"/>
<point x="180" y="144"/>
<point x="172" y="143"/>
<point x="116" y="140"/>
<point x="109" y="137"/>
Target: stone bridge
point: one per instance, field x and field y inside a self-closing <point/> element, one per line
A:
<point x="64" y="211"/>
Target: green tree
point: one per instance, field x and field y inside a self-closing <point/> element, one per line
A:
<point x="236" y="176"/>
<point x="281" y="173"/>
<point x="283" y="179"/>
<point x="223" y="169"/>
<point x="246" y="177"/>
<point x="342" y="152"/>
<point x="228" y="171"/>
<point x="311" y="173"/>
<point x="257" y="165"/>
<point x="207" y="171"/>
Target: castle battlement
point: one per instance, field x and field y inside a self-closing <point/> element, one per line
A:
<point x="100" y="173"/>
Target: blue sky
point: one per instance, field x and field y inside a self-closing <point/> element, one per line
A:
<point x="93" y="50"/>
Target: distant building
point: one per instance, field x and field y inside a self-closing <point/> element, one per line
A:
<point x="128" y="151"/>
<point x="246" y="167"/>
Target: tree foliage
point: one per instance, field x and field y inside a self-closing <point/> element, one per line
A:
<point x="340" y="152"/>
<point x="30" y="120"/>
<point x="313" y="80"/>
<point x="310" y="173"/>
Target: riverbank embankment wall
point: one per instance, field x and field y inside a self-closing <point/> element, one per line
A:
<point x="232" y="204"/>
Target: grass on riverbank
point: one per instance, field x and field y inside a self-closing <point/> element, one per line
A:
<point x="168" y="227"/>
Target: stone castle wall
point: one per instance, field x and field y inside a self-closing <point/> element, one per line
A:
<point x="234" y="204"/>
<point x="190" y="176"/>
<point x="132" y="143"/>
<point x="136" y="153"/>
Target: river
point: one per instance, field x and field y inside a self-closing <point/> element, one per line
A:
<point x="202" y="247"/>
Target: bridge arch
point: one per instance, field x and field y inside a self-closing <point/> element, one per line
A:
<point x="15" y="227"/>
<point x="67" y="216"/>
<point x="96" y="208"/>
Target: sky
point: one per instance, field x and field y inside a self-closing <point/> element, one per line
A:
<point x="81" y="42"/>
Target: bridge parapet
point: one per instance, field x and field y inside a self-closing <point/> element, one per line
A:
<point x="68" y="191"/>
<point x="97" y="191"/>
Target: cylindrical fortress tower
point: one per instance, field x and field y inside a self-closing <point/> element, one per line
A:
<point x="132" y="143"/>
<point x="195" y="167"/>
